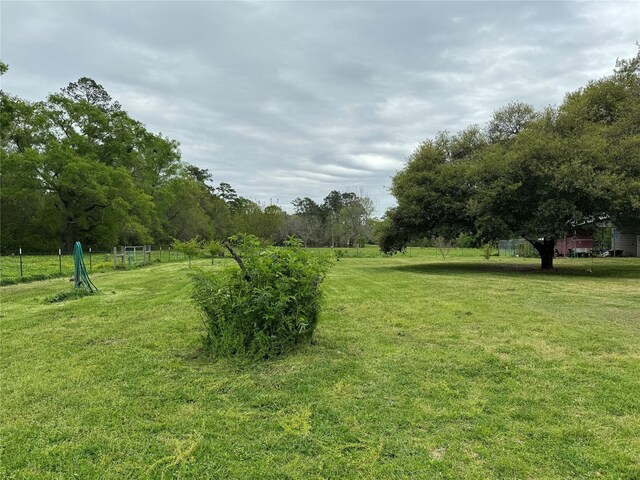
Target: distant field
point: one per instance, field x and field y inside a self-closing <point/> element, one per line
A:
<point x="38" y="267"/>
<point x="420" y="368"/>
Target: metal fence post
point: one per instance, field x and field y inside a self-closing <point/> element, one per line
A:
<point x="20" y="263"/>
<point x="60" y="259"/>
<point x="90" y="264"/>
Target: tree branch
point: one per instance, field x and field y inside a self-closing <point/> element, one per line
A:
<point x="238" y="260"/>
<point x="95" y="205"/>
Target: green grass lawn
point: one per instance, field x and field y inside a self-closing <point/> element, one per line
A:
<point x="420" y="368"/>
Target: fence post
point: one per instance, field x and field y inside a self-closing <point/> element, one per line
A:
<point x="160" y="254"/>
<point x="169" y="253"/>
<point x="115" y="258"/>
<point x="20" y="263"/>
<point x="60" y="259"/>
<point x="90" y="264"/>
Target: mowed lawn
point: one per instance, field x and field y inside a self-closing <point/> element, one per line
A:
<point x="420" y="368"/>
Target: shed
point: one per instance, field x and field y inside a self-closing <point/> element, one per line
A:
<point x="627" y="240"/>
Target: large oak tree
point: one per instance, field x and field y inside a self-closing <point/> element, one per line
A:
<point x="530" y="175"/>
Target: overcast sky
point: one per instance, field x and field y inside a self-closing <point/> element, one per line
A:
<point x="297" y="99"/>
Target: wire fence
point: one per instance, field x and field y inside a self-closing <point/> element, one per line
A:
<point x="21" y="266"/>
<point x="517" y="247"/>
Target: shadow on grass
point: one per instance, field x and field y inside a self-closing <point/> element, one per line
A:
<point x="622" y="268"/>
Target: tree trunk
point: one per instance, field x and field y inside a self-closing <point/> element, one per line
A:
<point x="546" y="249"/>
<point x="70" y="237"/>
<point x="238" y="260"/>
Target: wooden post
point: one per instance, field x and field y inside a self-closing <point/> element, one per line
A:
<point x="115" y="258"/>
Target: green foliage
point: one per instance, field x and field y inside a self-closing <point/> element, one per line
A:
<point x="526" y="250"/>
<point x="190" y="248"/>
<point x="214" y="249"/>
<point x="422" y="242"/>
<point x="77" y="167"/>
<point x="251" y="218"/>
<point x="532" y="175"/>
<point x="509" y="121"/>
<point x="266" y="307"/>
<point x="465" y="240"/>
<point x="487" y="250"/>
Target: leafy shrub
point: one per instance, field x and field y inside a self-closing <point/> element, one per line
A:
<point x="214" y="249"/>
<point x="527" y="250"/>
<point x="464" y="240"/>
<point x="265" y="307"/>
<point x="487" y="250"/>
<point x="190" y="249"/>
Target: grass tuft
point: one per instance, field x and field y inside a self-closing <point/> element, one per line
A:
<point x="71" y="294"/>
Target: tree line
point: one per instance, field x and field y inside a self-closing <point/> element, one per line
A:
<point x="537" y="175"/>
<point x="77" y="167"/>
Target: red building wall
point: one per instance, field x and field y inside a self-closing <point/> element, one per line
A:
<point x="564" y="246"/>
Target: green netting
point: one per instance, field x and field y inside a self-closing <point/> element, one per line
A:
<point x="80" y="275"/>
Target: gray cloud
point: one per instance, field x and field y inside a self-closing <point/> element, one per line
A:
<point x="296" y="99"/>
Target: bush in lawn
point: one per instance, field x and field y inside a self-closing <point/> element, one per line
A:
<point x="191" y="248"/>
<point x="268" y="305"/>
<point x="214" y="249"/>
